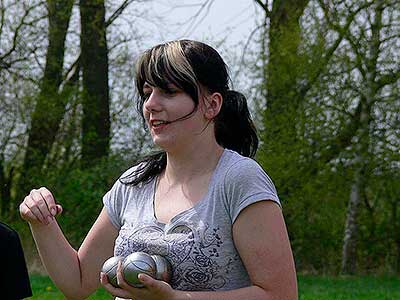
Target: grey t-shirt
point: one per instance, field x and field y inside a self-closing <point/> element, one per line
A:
<point x="197" y="242"/>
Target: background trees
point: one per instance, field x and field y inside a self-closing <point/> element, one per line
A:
<point x="55" y="103"/>
<point x="94" y="62"/>
<point x="323" y="81"/>
<point x="20" y="44"/>
<point x="50" y="106"/>
<point x="329" y="74"/>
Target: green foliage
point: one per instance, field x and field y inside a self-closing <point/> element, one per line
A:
<point x="328" y="125"/>
<point x="380" y="230"/>
<point x="315" y="218"/>
<point x="80" y="193"/>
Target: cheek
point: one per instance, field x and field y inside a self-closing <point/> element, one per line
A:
<point x="145" y="114"/>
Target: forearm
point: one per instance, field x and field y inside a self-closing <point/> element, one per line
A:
<point x="60" y="259"/>
<point x="248" y="293"/>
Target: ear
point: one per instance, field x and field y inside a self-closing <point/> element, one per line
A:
<point x="212" y="105"/>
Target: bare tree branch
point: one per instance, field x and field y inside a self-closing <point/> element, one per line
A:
<point x="70" y="74"/>
<point x="118" y="12"/>
<point x="342" y="30"/>
<point x="388" y="79"/>
<point x="17" y="30"/>
<point x="356" y="48"/>
<point x="204" y="6"/>
<point x="21" y="75"/>
<point x="264" y="6"/>
<point x="245" y="47"/>
<point x="3" y="10"/>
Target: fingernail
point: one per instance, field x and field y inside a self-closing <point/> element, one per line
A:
<point x="142" y="277"/>
<point x="53" y="211"/>
<point x="49" y="219"/>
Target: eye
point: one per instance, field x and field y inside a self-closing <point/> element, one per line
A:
<point x="145" y="96"/>
<point x="146" y="93"/>
<point x="171" y="90"/>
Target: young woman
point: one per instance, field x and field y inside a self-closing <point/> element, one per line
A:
<point x="201" y="202"/>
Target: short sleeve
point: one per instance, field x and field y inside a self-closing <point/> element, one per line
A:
<point x="117" y="198"/>
<point x="112" y="201"/>
<point x="246" y="183"/>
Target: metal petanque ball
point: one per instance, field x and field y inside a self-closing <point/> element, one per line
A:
<point x="163" y="268"/>
<point x="136" y="263"/>
<point x="110" y="268"/>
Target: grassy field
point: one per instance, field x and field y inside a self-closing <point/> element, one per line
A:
<point x="349" y="288"/>
<point x="310" y="288"/>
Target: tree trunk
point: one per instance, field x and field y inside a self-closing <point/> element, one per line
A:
<point x="284" y="40"/>
<point x="280" y="87"/>
<point x="94" y="62"/>
<point x="349" y="251"/>
<point x="349" y="259"/>
<point x="50" y="107"/>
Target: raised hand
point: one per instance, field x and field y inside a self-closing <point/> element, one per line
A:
<point x="39" y="207"/>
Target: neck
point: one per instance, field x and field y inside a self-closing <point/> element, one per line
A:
<point x="194" y="160"/>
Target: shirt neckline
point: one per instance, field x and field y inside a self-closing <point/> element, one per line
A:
<point x="198" y="203"/>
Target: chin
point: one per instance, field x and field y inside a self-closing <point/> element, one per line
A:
<point x="164" y="144"/>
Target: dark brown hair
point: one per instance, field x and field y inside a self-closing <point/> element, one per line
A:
<point x="190" y="65"/>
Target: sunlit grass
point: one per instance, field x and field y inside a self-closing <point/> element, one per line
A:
<point x="349" y="288"/>
<point x="310" y="288"/>
<point x="44" y="289"/>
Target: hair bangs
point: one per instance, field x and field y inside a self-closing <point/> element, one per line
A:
<point x="165" y="65"/>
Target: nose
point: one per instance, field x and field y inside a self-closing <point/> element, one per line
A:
<point x="153" y="104"/>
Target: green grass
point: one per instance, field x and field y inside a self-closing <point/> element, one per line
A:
<point x="44" y="289"/>
<point x="349" y="288"/>
<point x="310" y="288"/>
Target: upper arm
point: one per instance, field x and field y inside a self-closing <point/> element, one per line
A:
<point x="262" y="241"/>
<point x="95" y="249"/>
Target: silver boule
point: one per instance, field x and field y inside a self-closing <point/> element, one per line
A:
<point x="110" y="268"/>
<point x="163" y="268"/>
<point x="136" y="263"/>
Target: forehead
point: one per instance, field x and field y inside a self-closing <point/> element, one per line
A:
<point x="148" y="85"/>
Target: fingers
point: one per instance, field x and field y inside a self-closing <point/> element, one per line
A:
<point x="117" y="292"/>
<point x="49" y="200"/>
<point x="153" y="289"/>
<point x="120" y="277"/>
<point x="59" y="209"/>
<point x="157" y="286"/>
<point x="26" y="213"/>
<point x="148" y="281"/>
<point x="39" y="207"/>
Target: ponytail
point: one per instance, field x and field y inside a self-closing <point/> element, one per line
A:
<point x="234" y="128"/>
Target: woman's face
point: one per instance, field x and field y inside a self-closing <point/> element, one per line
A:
<point x="163" y="108"/>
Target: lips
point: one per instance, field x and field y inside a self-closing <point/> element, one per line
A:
<point x="158" y="122"/>
<point x="158" y="125"/>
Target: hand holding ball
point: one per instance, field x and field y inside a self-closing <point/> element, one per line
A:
<point x="155" y="266"/>
<point x="110" y="268"/>
<point x="136" y="263"/>
<point x="163" y="268"/>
